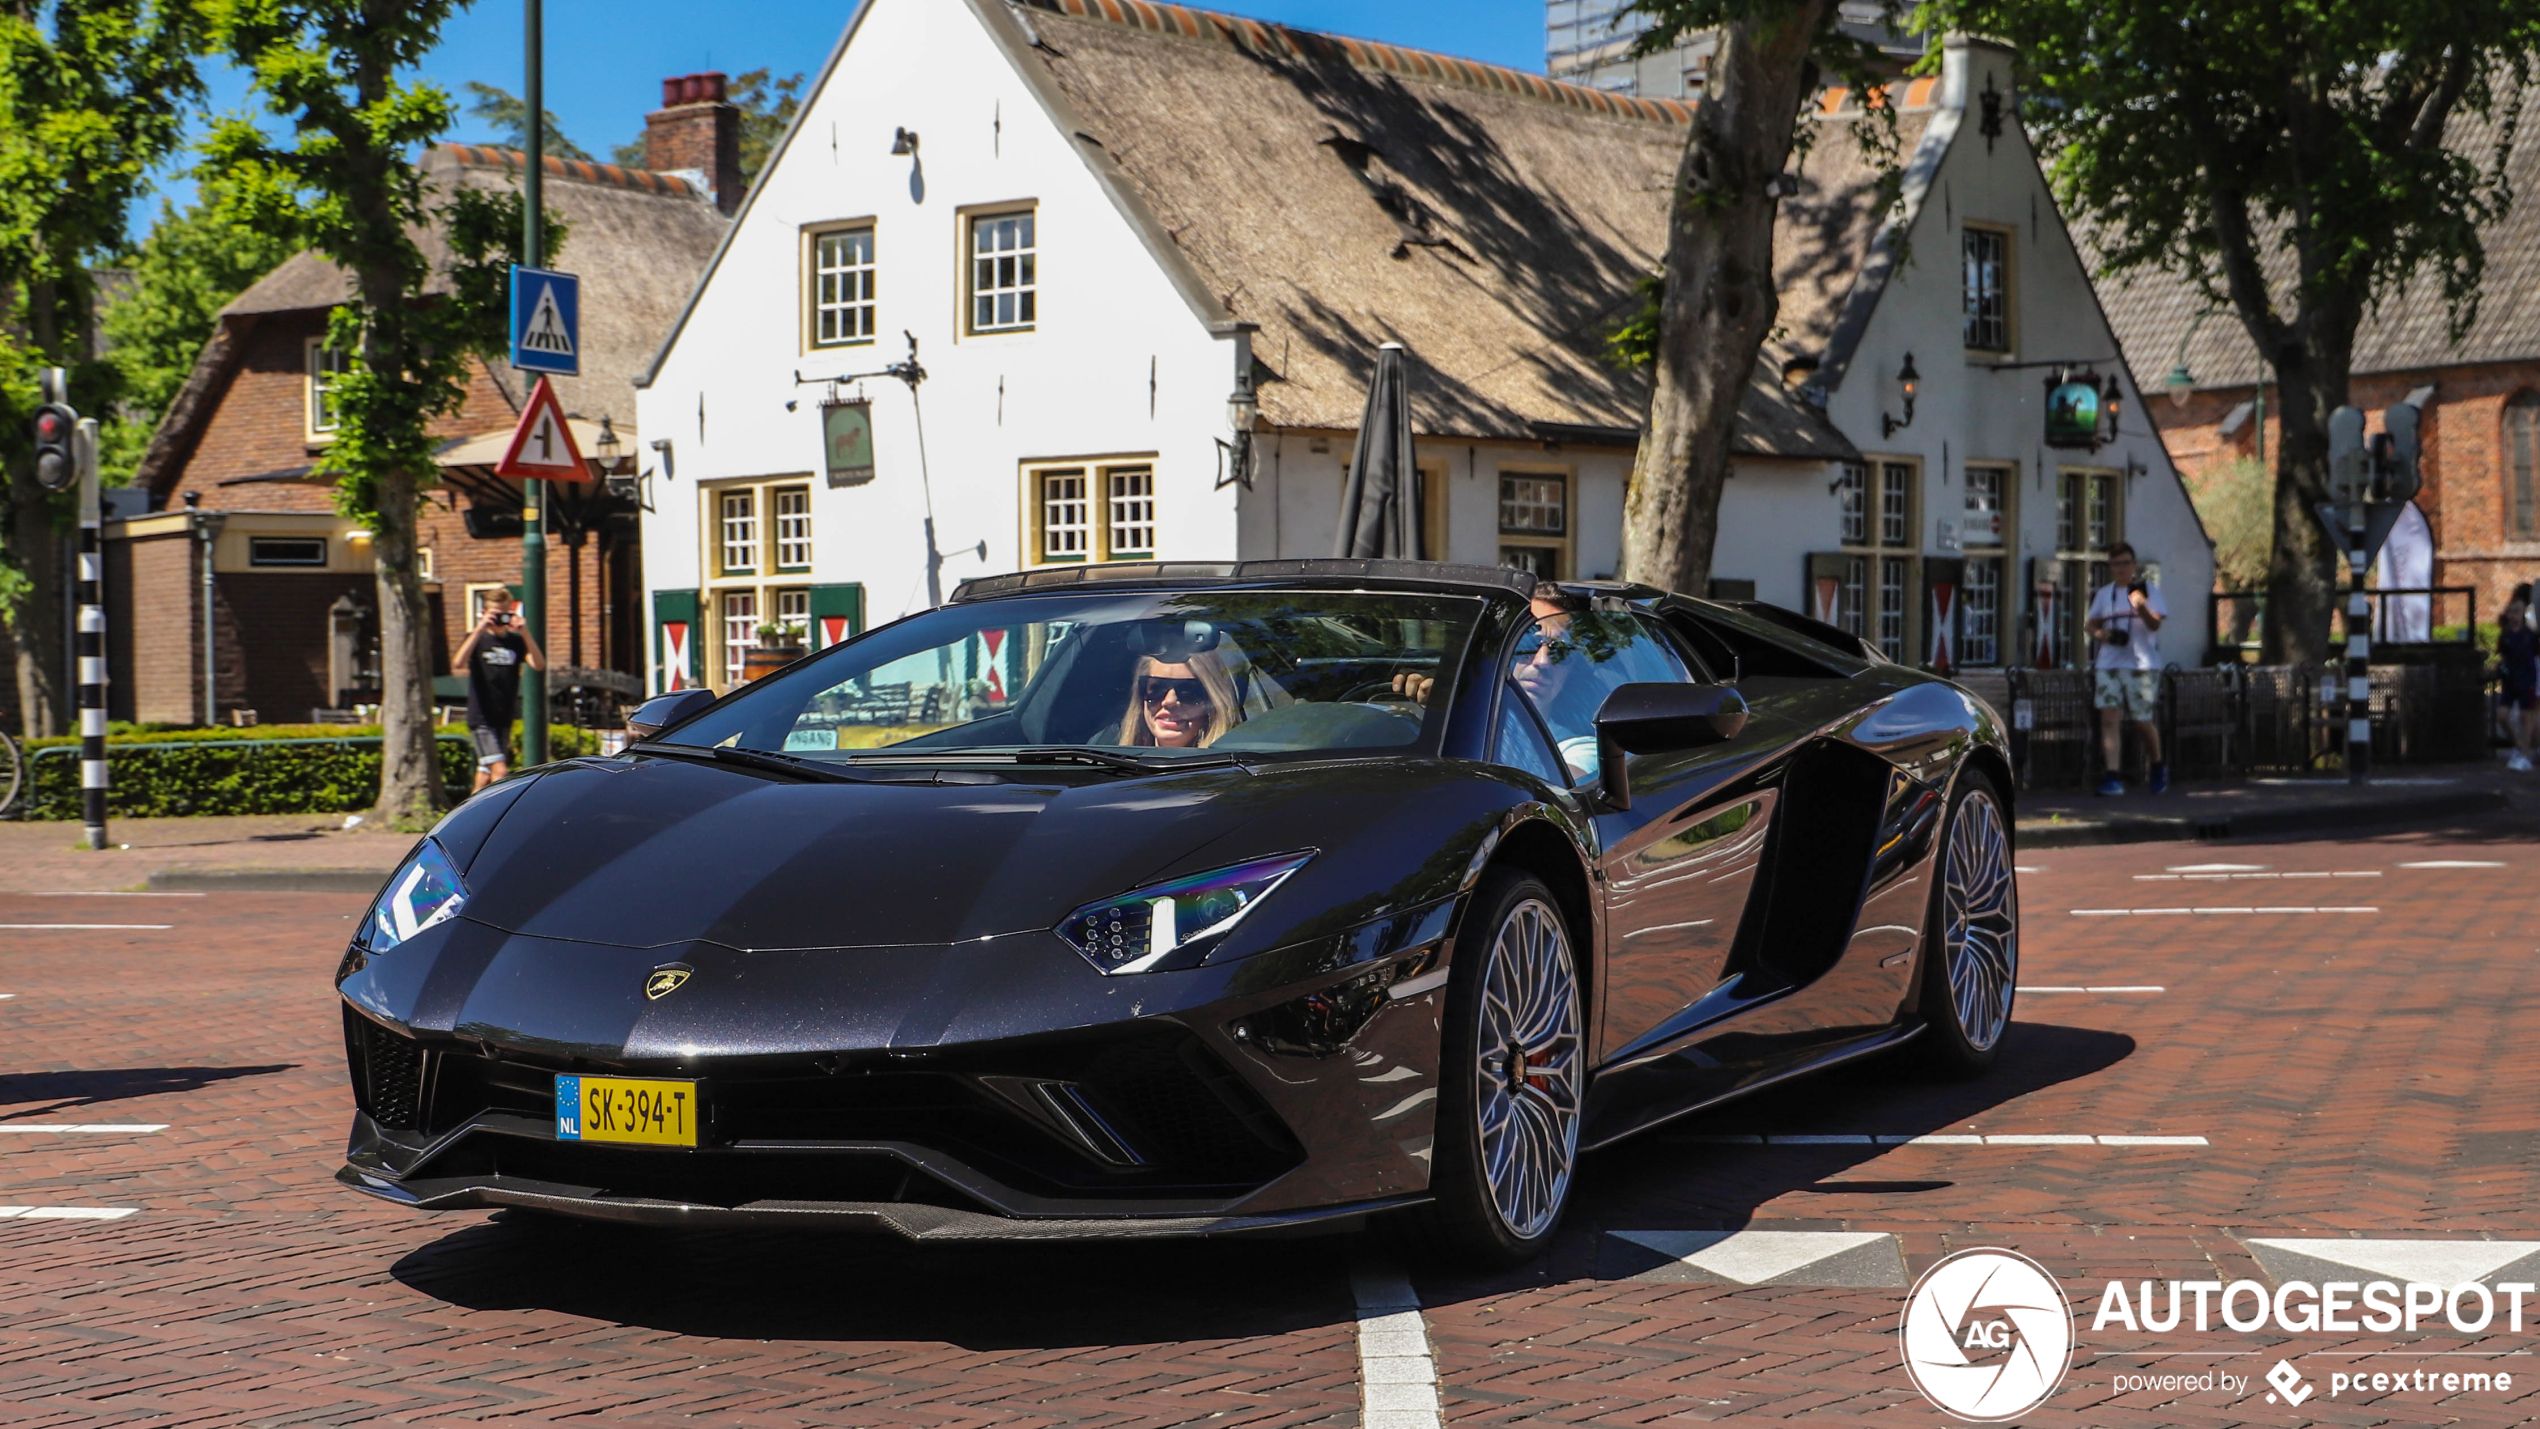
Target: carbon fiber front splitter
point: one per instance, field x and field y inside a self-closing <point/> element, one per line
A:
<point x="913" y="1221"/>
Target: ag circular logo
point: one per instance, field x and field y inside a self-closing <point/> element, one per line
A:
<point x="1987" y="1335"/>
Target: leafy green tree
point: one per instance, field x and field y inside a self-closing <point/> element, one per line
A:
<point x="92" y="96"/>
<point x="767" y="108"/>
<point x="2298" y="162"/>
<point x="1716" y="299"/>
<point x="345" y="178"/>
<point x="508" y="113"/>
<point x="193" y="262"/>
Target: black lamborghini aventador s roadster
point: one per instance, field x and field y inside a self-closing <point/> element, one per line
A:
<point x="1188" y="899"/>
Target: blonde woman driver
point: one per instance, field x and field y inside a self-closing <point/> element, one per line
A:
<point x="1181" y="706"/>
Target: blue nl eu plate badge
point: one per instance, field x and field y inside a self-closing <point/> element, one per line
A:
<point x="568" y="1108"/>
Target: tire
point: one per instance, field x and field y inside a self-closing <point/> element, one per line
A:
<point x="1507" y="1145"/>
<point x="1971" y="966"/>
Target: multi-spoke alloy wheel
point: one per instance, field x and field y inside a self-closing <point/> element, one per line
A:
<point x="1980" y="920"/>
<point x="1526" y="1065"/>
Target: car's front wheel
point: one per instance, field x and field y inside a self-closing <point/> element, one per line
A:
<point x="1972" y="963"/>
<point x="1512" y="1076"/>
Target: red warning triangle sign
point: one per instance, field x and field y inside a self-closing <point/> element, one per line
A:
<point x="542" y="445"/>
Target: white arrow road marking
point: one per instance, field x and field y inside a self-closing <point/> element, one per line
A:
<point x="1780" y="1257"/>
<point x="2434" y="1262"/>
<point x="1398" y="1376"/>
<point x="66" y="1213"/>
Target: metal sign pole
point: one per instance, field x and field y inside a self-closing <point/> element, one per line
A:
<point x="533" y="519"/>
<point x="92" y="639"/>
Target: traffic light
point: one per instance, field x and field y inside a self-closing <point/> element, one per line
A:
<point x="56" y="466"/>
<point x="2398" y="453"/>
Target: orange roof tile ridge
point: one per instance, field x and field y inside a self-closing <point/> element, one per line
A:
<point x="589" y="171"/>
<point x="1184" y="22"/>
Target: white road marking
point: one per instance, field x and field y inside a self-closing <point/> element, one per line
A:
<point x="7" y="996"/>
<point x="2208" y="912"/>
<point x="107" y="893"/>
<point x="2435" y="1262"/>
<point x="1748" y="1138"/>
<point x="2094" y="989"/>
<point x="2220" y="877"/>
<point x="2455" y="863"/>
<point x="1781" y="1257"/>
<point x="2215" y="867"/>
<point x="1397" y="1373"/>
<point x="2026" y="868"/>
<point x="99" y="1127"/>
<point x="66" y="1213"/>
<point x="87" y="927"/>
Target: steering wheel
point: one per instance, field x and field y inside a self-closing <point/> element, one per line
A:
<point x="1371" y="691"/>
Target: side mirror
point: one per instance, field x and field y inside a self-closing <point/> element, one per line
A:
<point x="1657" y="717"/>
<point x="662" y="711"/>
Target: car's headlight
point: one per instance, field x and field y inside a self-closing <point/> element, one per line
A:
<point x="425" y="890"/>
<point x="1174" y="924"/>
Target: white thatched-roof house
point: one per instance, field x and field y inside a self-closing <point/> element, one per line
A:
<point x="1099" y="219"/>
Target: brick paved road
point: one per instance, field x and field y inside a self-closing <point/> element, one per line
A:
<point x="2363" y="1074"/>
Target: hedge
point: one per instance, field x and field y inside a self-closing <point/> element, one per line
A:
<point x="247" y="771"/>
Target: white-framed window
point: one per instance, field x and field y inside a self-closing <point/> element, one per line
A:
<point x="1129" y="516"/>
<point x="1852" y="487"/>
<point x="841" y="287"/>
<point x="1891" y="615"/>
<point x="1063" y="516"/>
<point x="1534" y="522"/>
<point x="1980" y="613"/>
<point x="1086" y="511"/>
<point x="325" y="365"/>
<point x="423" y="564"/>
<point x="739" y="612"/>
<point x="1986" y="521"/>
<point x="1005" y="279"/>
<point x="736" y="524"/>
<point x="793" y="608"/>
<point x="1987" y="257"/>
<point x="1896" y="503"/>
<point x="793" y="527"/>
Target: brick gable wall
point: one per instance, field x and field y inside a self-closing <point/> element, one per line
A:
<point x="2466" y="483"/>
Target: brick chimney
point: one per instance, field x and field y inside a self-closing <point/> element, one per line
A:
<point x="697" y="131"/>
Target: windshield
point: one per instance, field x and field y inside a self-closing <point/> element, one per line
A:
<point x="1151" y="676"/>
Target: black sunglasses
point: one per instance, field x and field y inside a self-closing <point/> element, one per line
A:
<point x="1153" y="689"/>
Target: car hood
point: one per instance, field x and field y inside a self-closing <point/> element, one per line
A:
<point x="650" y="852"/>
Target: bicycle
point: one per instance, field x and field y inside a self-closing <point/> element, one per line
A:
<point x="12" y="773"/>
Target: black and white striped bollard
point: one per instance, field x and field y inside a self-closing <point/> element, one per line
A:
<point x="89" y="592"/>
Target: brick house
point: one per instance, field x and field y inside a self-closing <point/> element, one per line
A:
<point x="2479" y="393"/>
<point x="291" y="628"/>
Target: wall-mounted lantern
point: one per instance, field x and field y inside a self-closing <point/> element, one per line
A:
<point x="1243" y="409"/>
<point x="1909" y="383"/>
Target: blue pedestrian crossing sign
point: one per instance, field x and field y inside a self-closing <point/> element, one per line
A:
<point x="546" y="322"/>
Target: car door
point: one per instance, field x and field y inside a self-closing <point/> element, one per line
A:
<point x="1676" y="867"/>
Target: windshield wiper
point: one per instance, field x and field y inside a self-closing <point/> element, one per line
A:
<point x="1050" y="754"/>
<point x="755" y="759"/>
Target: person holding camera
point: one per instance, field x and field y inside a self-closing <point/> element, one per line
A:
<point x="492" y="654"/>
<point x="2125" y="624"/>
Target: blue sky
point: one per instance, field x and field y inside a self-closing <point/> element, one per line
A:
<point x="606" y="58"/>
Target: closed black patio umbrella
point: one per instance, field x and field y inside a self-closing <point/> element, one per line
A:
<point x="1380" y="515"/>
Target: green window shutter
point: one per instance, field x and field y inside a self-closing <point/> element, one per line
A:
<point x="678" y="641"/>
<point x="831" y="604"/>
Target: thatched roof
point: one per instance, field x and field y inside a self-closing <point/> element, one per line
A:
<point x="637" y="239"/>
<point x="2410" y="331"/>
<point x="1346" y="194"/>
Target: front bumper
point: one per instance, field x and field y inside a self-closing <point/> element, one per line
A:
<point x="976" y="1092"/>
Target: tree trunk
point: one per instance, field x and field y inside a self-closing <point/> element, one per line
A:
<point x="2302" y="574"/>
<point x="411" y="795"/>
<point x="1719" y="300"/>
<point x="35" y="619"/>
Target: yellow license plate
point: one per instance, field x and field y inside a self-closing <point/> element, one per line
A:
<point x="641" y="1110"/>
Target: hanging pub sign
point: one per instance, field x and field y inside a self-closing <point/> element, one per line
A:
<point x="2072" y="413"/>
<point x="846" y="435"/>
